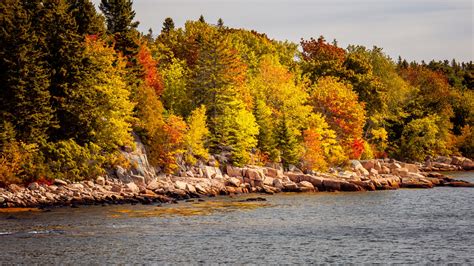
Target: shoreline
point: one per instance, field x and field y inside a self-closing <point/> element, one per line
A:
<point x="209" y="181"/>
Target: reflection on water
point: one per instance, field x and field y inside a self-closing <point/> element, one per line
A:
<point x="402" y="226"/>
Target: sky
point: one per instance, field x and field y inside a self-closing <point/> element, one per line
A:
<point x="415" y="29"/>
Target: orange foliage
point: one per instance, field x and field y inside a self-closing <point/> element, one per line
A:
<point x="168" y="142"/>
<point x="357" y="148"/>
<point x="313" y="157"/>
<point x="151" y="74"/>
<point x="320" y="50"/>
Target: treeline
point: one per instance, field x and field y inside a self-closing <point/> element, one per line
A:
<point x="78" y="85"/>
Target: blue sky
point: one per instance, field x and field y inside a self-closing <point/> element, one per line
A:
<point x="415" y="29"/>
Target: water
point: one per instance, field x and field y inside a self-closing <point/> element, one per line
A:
<point x="402" y="226"/>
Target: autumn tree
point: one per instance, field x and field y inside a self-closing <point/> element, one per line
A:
<point x="339" y="105"/>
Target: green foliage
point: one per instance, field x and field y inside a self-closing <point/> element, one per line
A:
<point x="68" y="160"/>
<point x="420" y="138"/>
<point x="287" y="143"/>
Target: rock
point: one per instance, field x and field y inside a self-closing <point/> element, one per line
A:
<point x="412" y="168"/>
<point x="139" y="180"/>
<point x="253" y="199"/>
<point x="306" y="184"/>
<point x="200" y="189"/>
<point x="121" y="174"/>
<point x="366" y="185"/>
<point x="275" y="173"/>
<point x="368" y="165"/>
<point x="468" y="164"/>
<point x="415" y="183"/>
<point x="253" y="174"/>
<point x="456" y="160"/>
<point x="14" y="188"/>
<point x="132" y="187"/>
<point x="384" y="170"/>
<point x="357" y="166"/>
<point x="295" y="169"/>
<point x="443" y="160"/>
<point x="373" y="172"/>
<point x="59" y="182"/>
<point x="212" y="172"/>
<point x="180" y="185"/>
<point x="347" y="186"/>
<point x="459" y="183"/>
<point x="233" y="181"/>
<point x="393" y="166"/>
<point x="189" y="173"/>
<point x="33" y="186"/>
<point x="100" y="180"/>
<point x="268" y="181"/>
<point x="234" y="171"/>
<point x="2" y="200"/>
<point x="153" y="185"/>
<point x="400" y="171"/>
<point x="290" y="186"/>
<point x="332" y="185"/>
<point x="277" y="183"/>
<point x="191" y="188"/>
<point x="77" y="186"/>
<point x="116" y="188"/>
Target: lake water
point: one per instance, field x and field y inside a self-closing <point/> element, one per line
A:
<point x="400" y="226"/>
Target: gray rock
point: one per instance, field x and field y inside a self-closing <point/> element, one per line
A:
<point x="33" y="186"/>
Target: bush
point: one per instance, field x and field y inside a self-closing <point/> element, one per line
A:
<point x="71" y="161"/>
<point x="20" y="163"/>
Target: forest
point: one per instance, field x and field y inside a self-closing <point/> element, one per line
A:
<point x="79" y="85"/>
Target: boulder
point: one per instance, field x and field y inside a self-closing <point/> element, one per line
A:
<point x="394" y="165"/>
<point x="200" y="189"/>
<point x="373" y="172"/>
<point x="139" y="180"/>
<point x="277" y="183"/>
<point x="268" y="181"/>
<point x="358" y="167"/>
<point x="416" y="183"/>
<point x="275" y="173"/>
<point x="233" y="181"/>
<point x="468" y="165"/>
<point x="412" y="168"/>
<point x="443" y="159"/>
<point x="456" y="160"/>
<point x="347" y="186"/>
<point x="400" y="171"/>
<point x="234" y="171"/>
<point x="459" y="183"/>
<point x="191" y="188"/>
<point x="100" y="180"/>
<point x="153" y="185"/>
<point x="332" y="185"/>
<point x="384" y="170"/>
<point x="365" y="185"/>
<point x="121" y="173"/>
<point x="180" y="185"/>
<point x="369" y="164"/>
<point x="253" y="174"/>
<point x="290" y="186"/>
<point x="307" y="186"/>
<point x="212" y="172"/>
<point x="59" y="182"/>
<point x="33" y="186"/>
<point x="132" y="187"/>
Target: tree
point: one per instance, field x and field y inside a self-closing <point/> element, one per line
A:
<point x="119" y="16"/>
<point x="341" y="109"/>
<point x="168" y="25"/>
<point x="220" y="23"/>
<point x="24" y="76"/>
<point x="321" y="58"/>
<point x="287" y="143"/>
<point x="196" y="136"/>
<point x="88" y="21"/>
<point x="201" y="19"/>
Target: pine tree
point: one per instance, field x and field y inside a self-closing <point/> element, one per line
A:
<point x="201" y="19"/>
<point x="220" y="23"/>
<point x="287" y="143"/>
<point x="119" y="15"/>
<point x="88" y="21"/>
<point x="24" y="76"/>
<point x="168" y="25"/>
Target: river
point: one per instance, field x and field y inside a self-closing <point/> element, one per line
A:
<point x="399" y="226"/>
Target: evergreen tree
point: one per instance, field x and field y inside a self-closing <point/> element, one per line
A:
<point x="24" y="76"/>
<point x="168" y="25"/>
<point x="201" y="19"/>
<point x="119" y="15"/>
<point x="220" y="23"/>
<point x="287" y="143"/>
<point x="88" y="21"/>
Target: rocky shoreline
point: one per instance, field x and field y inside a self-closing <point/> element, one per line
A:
<point x="131" y="186"/>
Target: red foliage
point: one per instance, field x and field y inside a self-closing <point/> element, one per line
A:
<point x="151" y="74"/>
<point x="320" y="50"/>
<point x="357" y="148"/>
